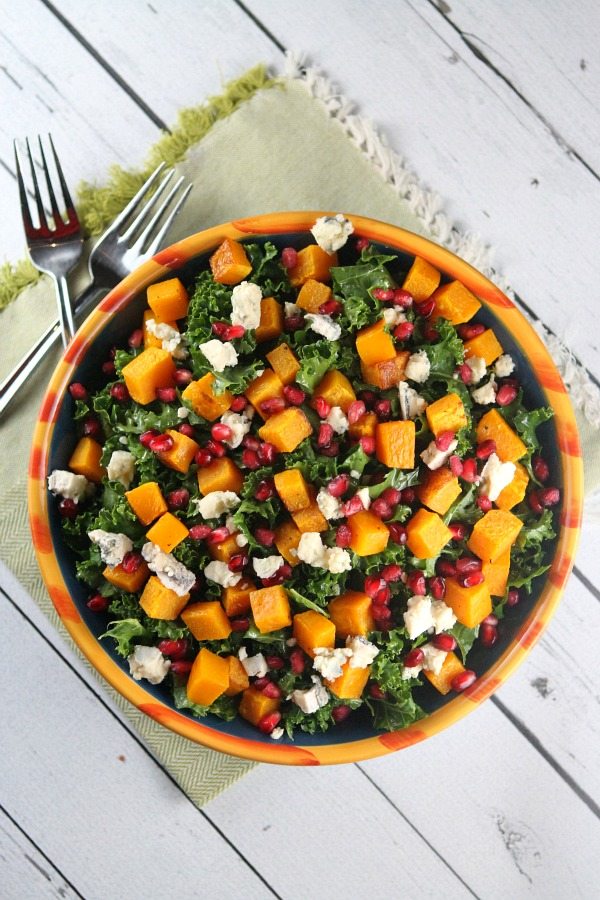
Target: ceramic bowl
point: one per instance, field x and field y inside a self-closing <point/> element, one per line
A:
<point x="118" y="314"/>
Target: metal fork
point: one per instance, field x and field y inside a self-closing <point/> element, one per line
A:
<point x="54" y="250"/>
<point x="135" y="236"/>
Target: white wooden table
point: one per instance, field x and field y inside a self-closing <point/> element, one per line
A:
<point x="496" y="105"/>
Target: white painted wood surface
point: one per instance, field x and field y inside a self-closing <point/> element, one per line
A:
<point x="506" y="802"/>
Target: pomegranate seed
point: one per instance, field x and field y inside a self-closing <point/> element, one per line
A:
<point x="506" y="394"/>
<point x="484" y="503"/>
<point x="380" y="509"/>
<point x="119" y="392"/>
<point x="373" y="584"/>
<point x="294" y="394"/>
<point x="293" y="323"/>
<point x="465" y="373"/>
<point x="459" y="531"/>
<point x="356" y="411"/>
<point x="181" y="667"/>
<point x="352" y="506"/>
<point x="391" y="573"/>
<point x="383" y="294"/>
<point x="403" y="331"/>
<point x="269" y="722"/>
<point x="147" y="436"/>
<point x="92" y="428"/>
<point x="265" y="536"/>
<point x="383" y="409"/>
<point x="260" y="683"/>
<point x="108" y="367"/>
<point x="369" y="398"/>
<point x="274" y="662"/>
<point x="485" y="449"/>
<point x="463" y="680"/>
<point x="289" y="257"/>
<point x="97" y="603"/>
<point x="470" y="579"/>
<point x="265" y="490"/>
<point x="338" y="485"/>
<point x="234" y="332"/>
<point x="77" y="391"/>
<point x="272" y="405"/>
<point x="398" y="533"/>
<point x="132" y="561"/>
<point x="513" y="597"/>
<point x="297" y="661"/>
<point x="218" y="535"/>
<point x="425" y="308"/>
<point x="409" y="495"/>
<point x="321" y="407"/>
<point x="343" y="536"/>
<point x="456" y="465"/>
<point x="68" y="509"/>
<point x="381" y="616"/>
<point x="325" y="435"/>
<point x="430" y="333"/>
<point x="330" y="308"/>
<point x="250" y="442"/>
<point x="541" y="469"/>
<point x="178" y="499"/>
<point x="182" y="377"/>
<point x="444" y="642"/>
<point x="135" y="339"/>
<point x="219" y="329"/>
<point x="361" y="244"/>
<point x="444" y="439"/>
<point x="161" y="443"/>
<point x="469" y="331"/>
<point x="416" y="584"/>
<point x="202" y="457"/>
<point x="416" y="657"/>
<point x="392" y="496"/>
<point x="238" y="404"/>
<point x="340" y="713"/>
<point x="200" y="532"/>
<point x="166" y="395"/>
<point x="174" y="649"/>
<point x="533" y="501"/>
<point x="376" y="692"/>
<point x="403" y="298"/>
<point x="221" y="432"/>
<point x="215" y="448"/>
<point x="272" y="690"/>
<point x="437" y="587"/>
<point x="549" y="496"/>
<point x="332" y="449"/>
<point x="368" y="444"/>
<point x="445" y="568"/>
<point x="467" y="564"/>
<point x="382" y="597"/>
<point x="238" y="562"/>
<point x="266" y="454"/>
<point x="469" y="472"/>
<point x="186" y="429"/>
<point x="241" y="624"/>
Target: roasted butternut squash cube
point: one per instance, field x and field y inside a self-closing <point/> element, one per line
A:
<point x="127" y="581"/>
<point x="271" y="320"/>
<point x="364" y="427"/>
<point x="470" y="605"/>
<point x="220" y="475"/>
<point x="229" y="263"/>
<point x="284" y="363"/>
<point x="203" y="399"/>
<point x="151" y="369"/>
<point x="236" y="599"/>
<point x="168" y="532"/>
<point x="439" y="490"/>
<point x="509" y="445"/>
<point x="160" y="602"/>
<point x="312" y="263"/>
<point x="238" y="680"/>
<point x="514" y="492"/>
<point x="485" y="345"/>
<point x="287" y="429"/>
<point x="254" y="705"/>
<point x="209" y="678"/>
<point x="312" y="629"/>
<point x="265" y="387"/>
<point x="147" y="502"/>
<point x="336" y="389"/>
<point x="350" y="684"/>
<point x="496" y="574"/>
<point x="182" y="453"/>
<point x="387" y="373"/>
<point x="351" y="614"/>
<point x="293" y="490"/>
<point x="224" y="550"/>
<point x="494" y="534"/>
<point x="313" y="294"/>
<point x="85" y="459"/>
<point x="310" y="519"/>
<point x="369" y="534"/>
<point x="168" y="300"/>
<point x="395" y="444"/>
<point x="451" y="667"/>
<point x="271" y="608"/>
<point x="150" y="340"/>
<point x="422" y="279"/>
<point x="446" y="414"/>
<point x="207" y="621"/>
<point x="426" y="534"/>
<point x="287" y="538"/>
<point x="455" y="302"/>
<point x="374" y="344"/>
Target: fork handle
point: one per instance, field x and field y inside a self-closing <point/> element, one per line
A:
<point x="65" y="309"/>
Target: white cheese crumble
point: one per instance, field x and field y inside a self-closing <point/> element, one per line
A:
<point x="365" y="497"/>
<point x="245" y="305"/>
<point x="443" y="617"/>
<point x="418" y="617"/>
<point x="219" y="354"/>
<point x="292" y="309"/>
<point x="329" y="506"/>
<point x="363" y="651"/>
<point x="68" y="485"/>
<point x="328" y="661"/>
<point x="324" y="325"/>
<point x="486" y="394"/>
<point x="332" y="232"/>
<point x="418" y="367"/>
<point x="168" y="570"/>
<point x="338" y="560"/>
<point x="277" y="733"/>
<point x="495" y="476"/>
<point x="240" y="426"/>
<point x="393" y="315"/>
<point x="434" y="658"/>
<point x="121" y="467"/>
<point x="254" y="666"/>
<point x="220" y="573"/>
<point x="183" y="412"/>
<point x="434" y="458"/>
<point x="216" y="503"/>
<point x="113" y="546"/>
<point x="266" y="568"/>
<point x="311" y="699"/>
<point x="478" y="368"/>
<point x="505" y="364"/>
<point x="411" y="403"/>
<point x="337" y="420"/>
<point x="148" y="663"/>
<point x="170" y="337"/>
<point x="312" y="551"/>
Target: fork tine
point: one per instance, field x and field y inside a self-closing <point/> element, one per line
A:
<point x="53" y="203"/>
<point x="25" y="211"/>
<point x="71" y="212"/>
<point x="36" y="190"/>
<point x="155" y="244"/>
<point x="140" y="220"/>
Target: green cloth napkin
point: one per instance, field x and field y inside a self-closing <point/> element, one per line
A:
<point x="282" y="149"/>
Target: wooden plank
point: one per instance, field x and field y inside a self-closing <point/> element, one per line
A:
<point x="26" y="873"/>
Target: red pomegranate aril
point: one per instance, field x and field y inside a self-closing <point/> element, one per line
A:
<point x="325" y="435"/>
<point x="361" y="244"/>
<point x="265" y="490"/>
<point x="541" y="469"/>
<point x="338" y="485"/>
<point x="108" y="367"/>
<point x="136" y="338"/>
<point x="383" y="410"/>
<point x="467" y="564"/>
<point x="416" y="584"/>
<point x="68" y="509"/>
<point x="266" y="454"/>
<point x="471" y="330"/>
<point x="383" y="294"/>
<point x="321" y="407"/>
<point x="373" y="584"/>
<point x="463" y="680"/>
<point x="182" y="667"/>
<point x="272" y="405"/>
<point x="398" y="533"/>
<point x="343" y="536"/>
<point x="430" y="332"/>
<point x="293" y="323"/>
<point x="97" y="603"/>
<point x="269" y="722"/>
<point x="488" y="634"/>
<point x="403" y="331"/>
<point x="215" y="448"/>
<point x="490" y="620"/>
<point x="289" y="257"/>
<point x="465" y="373"/>
<point x="200" y="532"/>
<point x="369" y="398"/>
<point x="274" y="662"/>
<point x="92" y="428"/>
<point x="437" y="587"/>
<point x="261" y="682"/>
<point x="533" y="501"/>
<point x="513" y="597"/>
<point x="484" y="503"/>
<point x="376" y="692"/>
<point x="506" y="394"/>
<point x="382" y="597"/>
<point x="356" y="411"/>
<point x="202" y="457"/>
<point x="381" y="509"/>
<point x="391" y="496"/>
<point x="444" y="439"/>
<point x="444" y="642"/>
<point x="469" y="472"/>
<point x="234" y="332"/>
<point x="408" y="495"/>
<point x="294" y="394"/>
<point x="265" y="536"/>
<point x="381" y="612"/>
<point x="459" y="531"/>
<point x="403" y="298"/>
<point x="368" y="444"/>
<point x="221" y="432"/>
<point x="485" y="449"/>
<point x="119" y="392"/>
<point x="241" y="624"/>
<point x="178" y="499"/>
<point x="272" y="690"/>
<point x="219" y="329"/>
<point x="238" y="562"/>
<point x="218" y="535"/>
<point x="445" y="568"/>
<point x="132" y="561"/>
<point x="470" y="579"/>
<point x="425" y="308"/>
<point x="161" y="443"/>
<point x="330" y="307"/>
<point x="340" y="713"/>
<point x="238" y="404"/>
<point x="352" y="506"/>
<point x="549" y="496"/>
<point x="297" y="661"/>
<point x="166" y="394"/>
<point x="416" y="657"/>
<point x="174" y="649"/>
<point x="78" y="391"/>
<point x="455" y="464"/>
<point x="182" y="377"/>
<point x="250" y="442"/>
<point x="187" y="429"/>
<point x="147" y="436"/>
<point x="392" y="573"/>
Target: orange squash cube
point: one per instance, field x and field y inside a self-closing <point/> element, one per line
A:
<point x="287" y="538"/>
<point x="439" y="490"/>
<point x="284" y="363"/>
<point x="485" y="345"/>
<point x="374" y="344"/>
<point x="209" y="678"/>
<point x="395" y="444"/>
<point x="313" y="294"/>
<point x="224" y="550"/>
<point x="293" y="489"/>
<point x="336" y="389"/>
<point x="351" y="614"/>
<point x="455" y="302"/>
<point x="369" y="534"/>
<point x="509" y="445"/>
<point x="496" y="574"/>
<point x="271" y="320"/>
<point x="312" y="263"/>
<point x="270" y="608"/>
<point x="265" y="387"/>
<point x="207" y="621"/>
<point x="167" y="532"/>
<point x="160" y="602"/>
<point x="451" y="667"/>
<point x="151" y="369"/>
<point x="203" y="399"/>
<point x="426" y="534"/>
<point x="238" y="680"/>
<point x="150" y="340"/>
<point x="310" y="519"/>
<point x="514" y="492"/>
<point x="363" y="427"/>
<point x="182" y="453"/>
<point x="494" y="534"/>
<point x="312" y="629"/>
<point x="220" y="475"/>
<point x="236" y="599"/>
<point x="85" y="459"/>
<point x="168" y="300"/>
<point x="147" y="502"/>
<point x="254" y="705"/>
<point x="350" y="684"/>
<point x="127" y="581"/>
<point x="422" y="279"/>
<point x="229" y="263"/>
<point x="287" y="429"/>
<point x="446" y="414"/>
<point x="470" y="605"/>
<point x="387" y="373"/>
